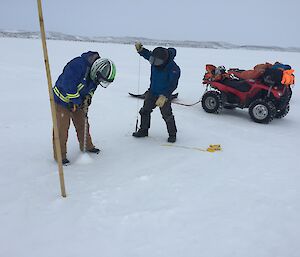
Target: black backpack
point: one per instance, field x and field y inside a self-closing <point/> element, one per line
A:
<point x="272" y="77"/>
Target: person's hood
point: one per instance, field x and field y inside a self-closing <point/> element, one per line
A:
<point x="172" y="53"/>
<point x="90" y="56"/>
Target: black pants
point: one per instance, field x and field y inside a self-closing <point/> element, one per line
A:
<point x="166" y="112"/>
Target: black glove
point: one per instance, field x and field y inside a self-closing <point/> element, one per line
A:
<point x="86" y="103"/>
<point x="87" y="100"/>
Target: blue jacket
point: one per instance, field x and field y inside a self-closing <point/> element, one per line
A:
<point x="163" y="80"/>
<point x="74" y="84"/>
<point x="278" y="65"/>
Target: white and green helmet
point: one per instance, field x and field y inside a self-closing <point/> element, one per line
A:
<point x="103" y="72"/>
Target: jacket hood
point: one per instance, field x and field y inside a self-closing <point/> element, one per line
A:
<point x="90" y="56"/>
<point x="172" y="53"/>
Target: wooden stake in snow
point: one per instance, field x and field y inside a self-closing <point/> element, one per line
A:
<point x="53" y="110"/>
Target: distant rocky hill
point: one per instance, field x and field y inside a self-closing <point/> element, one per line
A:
<point x="146" y="41"/>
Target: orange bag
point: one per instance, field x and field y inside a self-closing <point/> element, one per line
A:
<point x="288" y="77"/>
<point x="210" y="70"/>
<point x="257" y="71"/>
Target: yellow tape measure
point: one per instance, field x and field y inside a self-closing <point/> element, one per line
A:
<point x="214" y="148"/>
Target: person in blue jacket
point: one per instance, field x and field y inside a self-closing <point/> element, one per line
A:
<point x="73" y="92"/>
<point x="164" y="78"/>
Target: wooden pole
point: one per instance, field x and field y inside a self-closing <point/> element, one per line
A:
<point x="53" y="110"/>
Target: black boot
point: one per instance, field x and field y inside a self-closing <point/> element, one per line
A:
<point x="65" y="162"/>
<point x="172" y="139"/>
<point x="94" y="150"/>
<point x="140" y="133"/>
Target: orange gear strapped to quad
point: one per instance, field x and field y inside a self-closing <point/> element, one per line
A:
<point x="265" y="90"/>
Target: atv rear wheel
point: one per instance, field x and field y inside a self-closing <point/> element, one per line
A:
<point x="262" y="111"/>
<point x="211" y="102"/>
<point x="283" y="112"/>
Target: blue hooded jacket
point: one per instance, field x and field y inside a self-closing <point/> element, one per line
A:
<point x="74" y="84"/>
<point x="278" y="65"/>
<point x="163" y="80"/>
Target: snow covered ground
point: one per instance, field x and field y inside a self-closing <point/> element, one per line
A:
<point x="139" y="198"/>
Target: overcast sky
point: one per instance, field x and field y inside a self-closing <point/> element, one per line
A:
<point x="259" y="22"/>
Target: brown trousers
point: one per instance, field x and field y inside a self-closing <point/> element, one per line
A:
<point x="63" y="116"/>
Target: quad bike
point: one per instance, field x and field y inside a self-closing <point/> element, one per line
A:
<point x="265" y="102"/>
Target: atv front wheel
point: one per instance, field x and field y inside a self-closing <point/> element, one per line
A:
<point x="262" y="111"/>
<point x="283" y="112"/>
<point x="211" y="102"/>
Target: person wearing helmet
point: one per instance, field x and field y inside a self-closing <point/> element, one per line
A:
<point x="73" y="93"/>
<point x="164" y="78"/>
